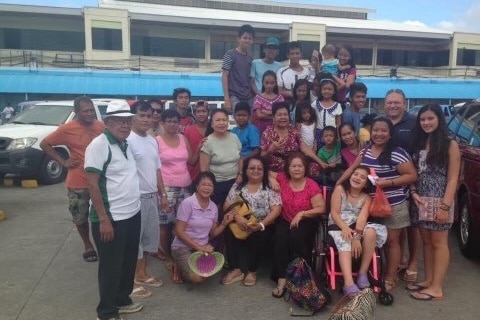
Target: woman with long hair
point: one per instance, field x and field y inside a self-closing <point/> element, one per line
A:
<point x="437" y="159"/>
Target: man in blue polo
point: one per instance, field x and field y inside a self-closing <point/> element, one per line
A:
<point x="115" y="211"/>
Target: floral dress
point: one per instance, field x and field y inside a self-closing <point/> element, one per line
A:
<point x="431" y="182"/>
<point x="349" y="213"/>
<point x="278" y="158"/>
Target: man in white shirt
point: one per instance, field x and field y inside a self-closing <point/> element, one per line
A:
<point x="145" y="152"/>
<point x="8" y="113"/>
<point x="115" y="216"/>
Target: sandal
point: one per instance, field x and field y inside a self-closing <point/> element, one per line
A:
<point x="409" y="276"/>
<point x="279" y="292"/>
<point x="414" y="287"/>
<point x="90" y="256"/>
<point x="250" y="280"/>
<point x="140" y="292"/>
<point x="233" y="276"/>
<point x="390" y="284"/>
<point x="150" y="282"/>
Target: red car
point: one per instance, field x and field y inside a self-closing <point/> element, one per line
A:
<point x="465" y="127"/>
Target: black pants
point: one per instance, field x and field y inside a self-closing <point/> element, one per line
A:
<point x="292" y="243"/>
<point x="244" y="254"/>
<point x="116" y="266"/>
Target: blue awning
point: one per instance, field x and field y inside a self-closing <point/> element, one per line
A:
<point x="133" y="83"/>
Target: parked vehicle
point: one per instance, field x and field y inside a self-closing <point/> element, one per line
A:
<point x="448" y="110"/>
<point x="20" y="151"/>
<point x="465" y="128"/>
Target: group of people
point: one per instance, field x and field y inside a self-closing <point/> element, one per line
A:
<point x="160" y="181"/>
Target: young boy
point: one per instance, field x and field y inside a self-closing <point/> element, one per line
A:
<point x="236" y="70"/>
<point x="246" y="132"/>
<point x="259" y="66"/>
<point x="181" y="97"/>
<point x="287" y="76"/>
<point x="358" y="98"/>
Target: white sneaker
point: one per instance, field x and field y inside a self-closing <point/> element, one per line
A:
<point x="131" y="308"/>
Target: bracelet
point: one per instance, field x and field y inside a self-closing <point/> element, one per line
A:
<point x="444" y="206"/>
<point x="262" y="226"/>
<point x="357" y="236"/>
<point x="360" y="232"/>
<point x="413" y="191"/>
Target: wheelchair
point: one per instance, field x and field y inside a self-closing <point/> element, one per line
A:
<point x="325" y="256"/>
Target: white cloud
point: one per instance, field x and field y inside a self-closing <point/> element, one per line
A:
<point x="468" y="21"/>
<point x="415" y="23"/>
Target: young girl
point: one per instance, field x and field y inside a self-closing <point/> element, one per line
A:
<point x="437" y="159"/>
<point x="306" y="122"/>
<point x="329" y="111"/>
<point x="300" y="92"/>
<point x="347" y="224"/>
<point x="351" y="145"/>
<point x="347" y="72"/>
<point x="262" y="105"/>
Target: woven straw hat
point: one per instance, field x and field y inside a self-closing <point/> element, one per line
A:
<point x="205" y="264"/>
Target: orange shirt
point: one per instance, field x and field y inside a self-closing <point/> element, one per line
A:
<point x="76" y="137"/>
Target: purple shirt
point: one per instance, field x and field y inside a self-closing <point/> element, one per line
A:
<point x="199" y="221"/>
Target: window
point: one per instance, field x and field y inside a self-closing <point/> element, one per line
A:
<point x="409" y="58"/>
<point x="218" y="48"/>
<point x="362" y="56"/>
<point x="168" y="47"/>
<point x="468" y="57"/>
<point x="27" y="39"/>
<point x="107" y="39"/>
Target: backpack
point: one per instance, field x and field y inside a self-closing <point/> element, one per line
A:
<point x="302" y="287"/>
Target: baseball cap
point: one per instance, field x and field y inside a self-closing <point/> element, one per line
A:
<point x="272" y="41"/>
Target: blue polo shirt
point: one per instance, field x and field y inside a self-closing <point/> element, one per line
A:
<point x="353" y="118"/>
<point x="402" y="132"/>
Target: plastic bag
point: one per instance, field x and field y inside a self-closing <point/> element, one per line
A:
<point x="380" y="207"/>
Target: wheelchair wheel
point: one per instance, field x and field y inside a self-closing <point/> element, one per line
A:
<point x="385" y="298"/>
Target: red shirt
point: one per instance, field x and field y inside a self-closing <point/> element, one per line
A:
<point x="194" y="138"/>
<point x="294" y="202"/>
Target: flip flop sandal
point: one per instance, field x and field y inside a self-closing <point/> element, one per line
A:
<point x="231" y="278"/>
<point x="425" y="296"/>
<point x="150" y="282"/>
<point x="390" y="285"/>
<point x="90" y="256"/>
<point x="250" y="280"/>
<point x="409" y="276"/>
<point x="414" y="287"/>
<point x="279" y="292"/>
<point x="140" y="292"/>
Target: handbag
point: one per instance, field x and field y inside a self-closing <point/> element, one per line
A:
<point x="301" y="286"/>
<point x="243" y="209"/>
<point x="359" y="306"/>
<point x="380" y="207"/>
<point x="428" y="212"/>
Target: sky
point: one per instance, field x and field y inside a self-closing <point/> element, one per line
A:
<point x="451" y="15"/>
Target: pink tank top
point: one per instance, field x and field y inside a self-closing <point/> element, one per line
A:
<point x="174" y="163"/>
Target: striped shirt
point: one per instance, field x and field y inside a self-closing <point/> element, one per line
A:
<point x="396" y="194"/>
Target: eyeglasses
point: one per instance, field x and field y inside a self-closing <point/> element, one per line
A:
<point x="255" y="168"/>
<point x="157" y="110"/>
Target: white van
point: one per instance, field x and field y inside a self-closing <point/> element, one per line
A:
<point x="20" y="151"/>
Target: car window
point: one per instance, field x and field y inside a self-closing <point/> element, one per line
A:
<point x="52" y="115"/>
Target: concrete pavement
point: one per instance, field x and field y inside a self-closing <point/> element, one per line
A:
<point x="42" y="276"/>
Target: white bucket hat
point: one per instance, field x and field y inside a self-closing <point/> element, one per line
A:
<point x="118" y="108"/>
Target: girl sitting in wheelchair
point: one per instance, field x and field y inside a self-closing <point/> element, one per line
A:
<point x="354" y="237"/>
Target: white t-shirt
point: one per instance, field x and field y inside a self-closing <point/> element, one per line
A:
<point x="118" y="181"/>
<point x="286" y="77"/>
<point x="145" y="153"/>
<point x="8" y="112"/>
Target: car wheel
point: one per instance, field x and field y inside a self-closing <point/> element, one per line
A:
<point x="51" y="171"/>
<point x="466" y="236"/>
